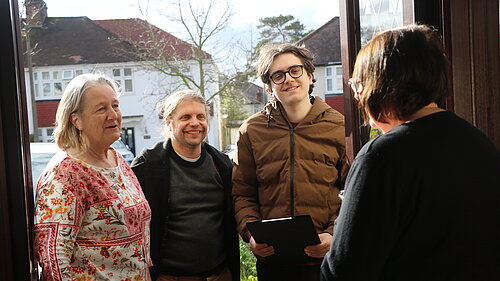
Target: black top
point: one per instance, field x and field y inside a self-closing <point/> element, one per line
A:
<point x="152" y="168"/>
<point x="421" y="203"/>
<point x="193" y="242"/>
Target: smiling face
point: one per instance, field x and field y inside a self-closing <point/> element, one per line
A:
<point x="100" y="118"/>
<point x="188" y="127"/>
<point x="294" y="91"/>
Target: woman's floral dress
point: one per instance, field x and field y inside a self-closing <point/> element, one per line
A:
<point x="91" y="223"/>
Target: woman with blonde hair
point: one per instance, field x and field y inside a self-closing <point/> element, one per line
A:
<point x="91" y="217"/>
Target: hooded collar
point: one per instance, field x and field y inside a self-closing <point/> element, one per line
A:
<point x="274" y="110"/>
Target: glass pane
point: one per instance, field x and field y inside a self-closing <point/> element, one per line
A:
<point x="329" y="86"/>
<point x="57" y="89"/>
<point x="45" y="75"/>
<point x="328" y="71"/>
<point x="339" y="84"/>
<point x="35" y="75"/>
<point x="68" y="74"/>
<point x="56" y="75"/>
<point x="378" y="15"/>
<point x="128" y="85"/>
<point x="37" y="90"/>
<point x="116" y="72"/>
<point x="339" y="70"/>
<point x="46" y="89"/>
<point x="127" y="72"/>
<point x="78" y="72"/>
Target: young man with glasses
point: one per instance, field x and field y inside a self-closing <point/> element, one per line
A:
<point x="290" y="160"/>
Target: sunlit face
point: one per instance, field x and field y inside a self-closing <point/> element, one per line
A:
<point x="292" y="91"/>
<point x="188" y="125"/>
<point x="100" y="119"/>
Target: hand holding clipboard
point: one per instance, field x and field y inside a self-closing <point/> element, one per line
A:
<point x="288" y="236"/>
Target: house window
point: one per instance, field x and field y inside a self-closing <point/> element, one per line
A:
<point x="46" y="134"/>
<point x="58" y="88"/>
<point x="123" y="76"/>
<point x="128" y="85"/>
<point x="45" y="75"/>
<point x="46" y="89"/>
<point x="53" y="83"/>
<point x="333" y="80"/>
<point x="329" y="85"/>
<point x="68" y="74"/>
<point x="37" y="90"/>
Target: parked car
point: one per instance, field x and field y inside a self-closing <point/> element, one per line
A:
<point x="42" y="152"/>
<point x="124" y="150"/>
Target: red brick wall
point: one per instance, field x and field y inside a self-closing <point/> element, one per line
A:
<point x="46" y="113"/>
<point x="336" y="102"/>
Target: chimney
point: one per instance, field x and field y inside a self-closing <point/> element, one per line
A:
<point x="36" y="12"/>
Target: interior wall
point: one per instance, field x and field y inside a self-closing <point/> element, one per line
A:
<point x="474" y="51"/>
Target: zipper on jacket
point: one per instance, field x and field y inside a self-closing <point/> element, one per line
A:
<point x="292" y="165"/>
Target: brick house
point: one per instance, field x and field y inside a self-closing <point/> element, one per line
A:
<point x="324" y="42"/>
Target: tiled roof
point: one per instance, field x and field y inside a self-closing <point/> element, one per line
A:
<point x="145" y="34"/>
<point x="80" y="40"/>
<point x="76" y="40"/>
<point x="324" y="42"/>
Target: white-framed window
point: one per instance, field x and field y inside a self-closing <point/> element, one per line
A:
<point x="124" y="78"/>
<point x="333" y="79"/>
<point x="51" y="84"/>
<point x="45" y="75"/>
<point x="47" y="89"/>
<point x="37" y="90"/>
<point x="68" y="74"/>
<point x="46" y="134"/>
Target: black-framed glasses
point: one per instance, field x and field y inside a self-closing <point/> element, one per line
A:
<point x="295" y="71"/>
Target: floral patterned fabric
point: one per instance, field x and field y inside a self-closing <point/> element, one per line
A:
<point x="91" y="223"/>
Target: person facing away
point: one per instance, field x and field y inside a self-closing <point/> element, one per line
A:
<point x="188" y="185"/>
<point x="421" y="201"/>
<point x="91" y="217"/>
<point x="290" y="159"/>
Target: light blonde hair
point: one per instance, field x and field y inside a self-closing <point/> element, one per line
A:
<point x="171" y="102"/>
<point x="66" y="134"/>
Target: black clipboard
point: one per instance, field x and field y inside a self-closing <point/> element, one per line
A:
<point x="288" y="236"/>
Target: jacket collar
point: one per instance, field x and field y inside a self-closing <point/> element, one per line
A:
<point x="275" y="110"/>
